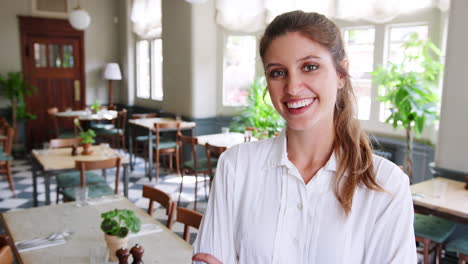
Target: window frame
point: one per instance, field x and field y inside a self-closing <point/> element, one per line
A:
<point x="151" y="67"/>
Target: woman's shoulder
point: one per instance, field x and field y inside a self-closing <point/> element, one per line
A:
<point x="388" y="174"/>
<point x="244" y="153"/>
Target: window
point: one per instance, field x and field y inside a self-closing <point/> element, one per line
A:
<point x="397" y="35"/>
<point x="149" y="69"/>
<point x="360" y="49"/>
<point x="238" y="69"/>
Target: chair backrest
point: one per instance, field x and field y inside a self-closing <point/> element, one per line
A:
<point x="192" y="142"/>
<point x="212" y="152"/>
<point x="189" y="218"/>
<point x="8" y="143"/>
<point x="4" y="125"/>
<point x="64" y="142"/>
<point x="86" y="165"/>
<point x="121" y="119"/>
<point x="168" y="125"/>
<point x="164" y="199"/>
<point x="248" y="133"/>
<point x="52" y="114"/>
<point x="144" y="115"/>
<point x="6" y="252"/>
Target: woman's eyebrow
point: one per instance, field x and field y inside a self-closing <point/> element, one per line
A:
<point x="299" y="60"/>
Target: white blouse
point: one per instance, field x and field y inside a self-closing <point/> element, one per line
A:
<point x="261" y="211"/>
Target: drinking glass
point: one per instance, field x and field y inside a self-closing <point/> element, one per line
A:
<point x="81" y="195"/>
<point x="98" y="255"/>
<point x="45" y="149"/>
<point x="224" y="130"/>
<point x="440" y="187"/>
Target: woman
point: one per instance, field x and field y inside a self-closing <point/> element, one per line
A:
<point x="315" y="193"/>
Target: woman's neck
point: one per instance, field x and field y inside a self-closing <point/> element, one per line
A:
<point x="309" y="150"/>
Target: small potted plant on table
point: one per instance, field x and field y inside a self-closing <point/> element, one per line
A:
<point x="87" y="138"/>
<point x="116" y="225"/>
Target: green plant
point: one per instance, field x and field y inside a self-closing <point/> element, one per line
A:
<point x="96" y="106"/>
<point x="409" y="87"/>
<point x="259" y="113"/>
<point x="15" y="88"/>
<point x="120" y="222"/>
<point x="87" y="137"/>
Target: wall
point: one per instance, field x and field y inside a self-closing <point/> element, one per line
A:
<point x="101" y="43"/>
<point x="452" y="145"/>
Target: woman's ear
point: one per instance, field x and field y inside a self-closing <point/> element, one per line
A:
<point x="342" y="77"/>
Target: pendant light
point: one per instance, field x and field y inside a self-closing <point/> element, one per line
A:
<point x="79" y="18"/>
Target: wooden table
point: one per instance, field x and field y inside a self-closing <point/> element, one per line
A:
<point x="88" y="115"/>
<point x="223" y="139"/>
<point x="453" y="205"/>
<point x="162" y="247"/>
<point x="54" y="161"/>
<point x="148" y="124"/>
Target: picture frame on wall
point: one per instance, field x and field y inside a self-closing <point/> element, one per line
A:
<point x="51" y="8"/>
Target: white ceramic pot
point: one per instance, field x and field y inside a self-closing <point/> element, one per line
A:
<point x="115" y="243"/>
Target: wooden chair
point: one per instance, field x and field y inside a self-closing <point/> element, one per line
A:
<point x="6" y="252"/>
<point x="6" y="158"/>
<point x="432" y="230"/>
<point x="99" y="189"/>
<point x="212" y="155"/>
<point x="248" y="133"/>
<point x="57" y="133"/>
<point x="72" y="179"/>
<point x="189" y="218"/>
<point x="164" y="199"/>
<point x="164" y="146"/>
<point x="140" y="143"/>
<point x="117" y="133"/>
<point x="194" y="166"/>
<point x="460" y="246"/>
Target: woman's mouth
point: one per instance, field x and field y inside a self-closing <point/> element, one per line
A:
<point x="299" y="106"/>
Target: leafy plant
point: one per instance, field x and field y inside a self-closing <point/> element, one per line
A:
<point x="14" y="87"/>
<point x="408" y="88"/>
<point x="96" y="106"/>
<point x="259" y="113"/>
<point x="120" y="222"/>
<point x="87" y="137"/>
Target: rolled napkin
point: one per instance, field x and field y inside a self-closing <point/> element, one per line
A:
<point x="51" y="240"/>
<point x="146" y="229"/>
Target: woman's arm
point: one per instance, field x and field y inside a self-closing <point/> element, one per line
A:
<point x="216" y="234"/>
<point x="392" y="238"/>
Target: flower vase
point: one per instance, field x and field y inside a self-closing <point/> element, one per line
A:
<point x="115" y="243"/>
<point x="87" y="149"/>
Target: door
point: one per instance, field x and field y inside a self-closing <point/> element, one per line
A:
<point x="53" y="61"/>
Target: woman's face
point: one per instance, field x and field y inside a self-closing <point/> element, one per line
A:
<point x="302" y="81"/>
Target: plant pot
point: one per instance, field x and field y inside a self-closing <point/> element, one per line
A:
<point x="87" y="149"/>
<point x="115" y="243"/>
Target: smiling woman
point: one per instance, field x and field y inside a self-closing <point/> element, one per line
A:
<point x="315" y="193"/>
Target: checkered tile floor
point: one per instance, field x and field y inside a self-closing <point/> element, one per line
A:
<point x="168" y="182"/>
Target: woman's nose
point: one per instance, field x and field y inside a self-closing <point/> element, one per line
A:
<point x="294" y="84"/>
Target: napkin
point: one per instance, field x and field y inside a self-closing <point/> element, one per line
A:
<point x="146" y="229"/>
<point x="40" y="244"/>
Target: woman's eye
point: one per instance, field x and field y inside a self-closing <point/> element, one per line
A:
<point x="310" y="67"/>
<point x="276" y="73"/>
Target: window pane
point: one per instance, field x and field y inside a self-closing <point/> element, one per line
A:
<point x="360" y="48"/>
<point x="156" y="70"/>
<point x="54" y="56"/>
<point x="143" y="69"/>
<point x="398" y="36"/>
<point x="40" y="56"/>
<point x="68" y="60"/>
<point x="238" y="69"/>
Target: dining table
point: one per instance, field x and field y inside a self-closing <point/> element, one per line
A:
<point x="84" y="236"/>
<point x="443" y="197"/>
<point x="88" y="115"/>
<point x="148" y="125"/>
<point x="49" y="162"/>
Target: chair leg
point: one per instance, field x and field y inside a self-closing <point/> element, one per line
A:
<point x="178" y="162"/>
<point x="10" y="178"/>
<point x="427" y="244"/>
<point x="180" y="189"/>
<point x="123" y="142"/>
<point x="170" y="162"/>
<point x="206" y="189"/>
<point x="156" y="165"/>
<point x="439" y="253"/>
<point x="196" y="190"/>
<point x="57" y="195"/>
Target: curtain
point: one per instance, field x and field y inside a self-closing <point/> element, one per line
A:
<point x="146" y="18"/>
<point x="253" y="15"/>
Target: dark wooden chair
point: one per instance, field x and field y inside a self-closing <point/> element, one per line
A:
<point x="195" y="166"/>
<point x="165" y="146"/>
<point x="248" y="134"/>
<point x="98" y="189"/>
<point x="140" y="144"/>
<point x="189" y="218"/>
<point x="212" y="155"/>
<point x="6" y="158"/>
<point x="6" y="252"/>
<point x="116" y="135"/>
<point x="57" y="132"/>
<point x="72" y="179"/>
<point x="459" y="246"/>
<point x="164" y="199"/>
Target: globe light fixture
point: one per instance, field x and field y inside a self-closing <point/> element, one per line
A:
<point x="79" y="18"/>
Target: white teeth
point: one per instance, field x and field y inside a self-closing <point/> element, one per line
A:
<point x="301" y="103"/>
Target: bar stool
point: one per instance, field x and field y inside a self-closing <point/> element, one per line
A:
<point x="431" y="229"/>
<point x="460" y="246"/>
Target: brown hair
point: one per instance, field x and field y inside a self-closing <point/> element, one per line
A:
<point x="352" y="146"/>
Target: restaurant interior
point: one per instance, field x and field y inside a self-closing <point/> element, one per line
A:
<point x="113" y="114"/>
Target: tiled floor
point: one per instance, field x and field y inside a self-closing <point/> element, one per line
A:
<point x="168" y="182"/>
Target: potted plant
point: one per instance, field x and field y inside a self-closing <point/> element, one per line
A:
<point x="408" y="88"/>
<point x="95" y="107"/>
<point x="259" y="113"/>
<point x="87" y="137"/>
<point x="14" y="88"/>
<point x="116" y="225"/>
